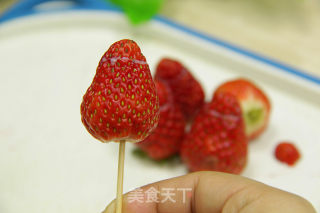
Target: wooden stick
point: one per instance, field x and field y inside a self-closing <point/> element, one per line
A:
<point x="122" y="147"/>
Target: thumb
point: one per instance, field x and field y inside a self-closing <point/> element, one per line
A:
<point x="205" y="192"/>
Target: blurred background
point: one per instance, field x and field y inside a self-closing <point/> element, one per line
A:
<point x="288" y="30"/>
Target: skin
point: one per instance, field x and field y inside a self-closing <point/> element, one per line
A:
<point x="218" y="192"/>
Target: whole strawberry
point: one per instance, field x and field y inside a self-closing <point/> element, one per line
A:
<point x="165" y="141"/>
<point x="121" y="103"/>
<point x="254" y="103"/>
<point x="187" y="91"/>
<point x="217" y="139"/>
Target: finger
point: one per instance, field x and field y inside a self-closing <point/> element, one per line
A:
<point x="211" y="192"/>
<point x="206" y="194"/>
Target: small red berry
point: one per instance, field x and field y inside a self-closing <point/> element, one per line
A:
<point x="287" y="153"/>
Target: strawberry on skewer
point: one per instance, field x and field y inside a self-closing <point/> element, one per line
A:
<point x="121" y="103"/>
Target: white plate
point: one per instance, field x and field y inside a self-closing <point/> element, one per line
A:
<point x="48" y="161"/>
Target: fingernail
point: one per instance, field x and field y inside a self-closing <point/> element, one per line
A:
<point x="111" y="208"/>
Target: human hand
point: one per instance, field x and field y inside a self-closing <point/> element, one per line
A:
<point x="216" y="192"/>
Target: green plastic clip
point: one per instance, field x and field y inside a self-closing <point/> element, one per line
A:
<point x="139" y="11"/>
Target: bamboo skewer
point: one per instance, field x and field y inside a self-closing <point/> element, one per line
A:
<point x="122" y="147"/>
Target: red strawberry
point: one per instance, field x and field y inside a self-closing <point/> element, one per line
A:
<point x="287" y="153"/>
<point x="217" y="139"/>
<point x="254" y="104"/>
<point x="166" y="139"/>
<point x="121" y="103"/>
<point x="187" y="91"/>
